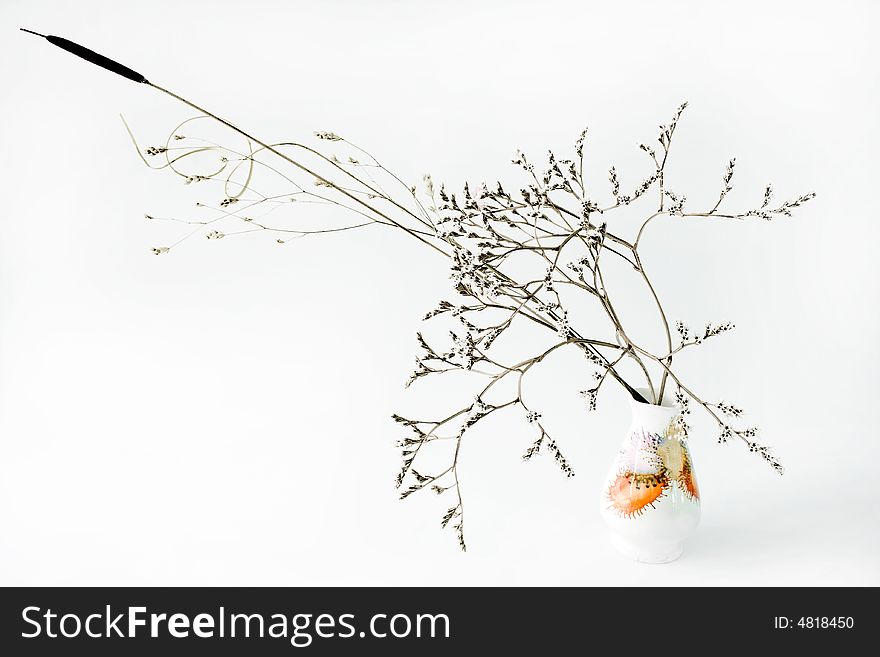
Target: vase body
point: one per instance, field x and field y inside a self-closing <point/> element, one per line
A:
<point x="650" y="500"/>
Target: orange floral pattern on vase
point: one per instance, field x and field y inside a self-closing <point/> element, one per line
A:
<point x="630" y="493"/>
<point x="688" y="482"/>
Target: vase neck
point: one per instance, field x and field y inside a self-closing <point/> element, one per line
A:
<point x="651" y="417"/>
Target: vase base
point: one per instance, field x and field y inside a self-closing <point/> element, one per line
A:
<point x="655" y="553"/>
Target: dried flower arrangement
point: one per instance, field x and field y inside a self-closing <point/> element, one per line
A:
<point x="523" y="255"/>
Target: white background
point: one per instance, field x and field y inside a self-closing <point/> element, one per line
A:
<point x="220" y="415"/>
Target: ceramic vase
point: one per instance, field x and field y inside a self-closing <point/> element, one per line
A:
<point x="650" y="500"/>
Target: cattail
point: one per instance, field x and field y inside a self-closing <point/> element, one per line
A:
<point x="91" y="56"/>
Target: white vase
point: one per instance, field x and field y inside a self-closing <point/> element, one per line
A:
<point x="650" y="500"/>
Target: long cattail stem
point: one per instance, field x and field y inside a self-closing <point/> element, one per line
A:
<point x="130" y="74"/>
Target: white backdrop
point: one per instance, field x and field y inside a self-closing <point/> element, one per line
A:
<point x="220" y="415"/>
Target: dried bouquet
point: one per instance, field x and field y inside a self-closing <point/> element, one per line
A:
<point x="523" y="254"/>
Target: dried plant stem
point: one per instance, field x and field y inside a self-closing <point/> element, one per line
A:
<point x="347" y="194"/>
<point x="296" y="164"/>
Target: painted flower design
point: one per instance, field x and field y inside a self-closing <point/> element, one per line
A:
<point x="651" y="465"/>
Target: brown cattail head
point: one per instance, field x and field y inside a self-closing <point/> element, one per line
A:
<point x="92" y="56"/>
